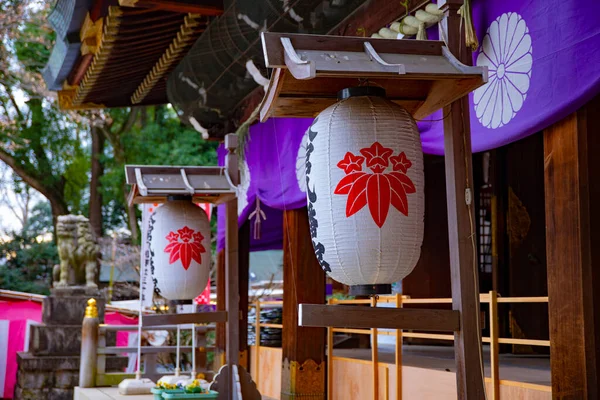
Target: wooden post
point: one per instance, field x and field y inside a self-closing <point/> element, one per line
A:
<point x="572" y="190"/>
<point x="232" y="289"/>
<point x="329" y="360"/>
<point x="375" y="356"/>
<point x="244" y="277"/>
<point x="461" y="221"/>
<point x="89" y="344"/>
<point x="494" y="347"/>
<point x="220" y="336"/>
<point x="398" y="353"/>
<point x="257" y="341"/>
<point x="303" y="348"/>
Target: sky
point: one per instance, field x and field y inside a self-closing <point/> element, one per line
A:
<point x="8" y="221"/>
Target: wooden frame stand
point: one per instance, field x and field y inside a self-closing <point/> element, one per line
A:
<point x="152" y="184"/>
<point x="421" y="76"/>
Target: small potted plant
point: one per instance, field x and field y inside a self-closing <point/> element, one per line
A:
<point x="192" y="391"/>
<point x="164" y="387"/>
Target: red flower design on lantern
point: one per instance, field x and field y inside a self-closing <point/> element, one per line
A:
<point x="378" y="190"/>
<point x="351" y="163"/>
<point x="185" y="245"/>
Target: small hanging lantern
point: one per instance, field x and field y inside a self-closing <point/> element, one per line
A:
<point x="179" y="235"/>
<point x="364" y="167"/>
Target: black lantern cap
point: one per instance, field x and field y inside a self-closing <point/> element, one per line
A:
<point x="368" y="290"/>
<point x="361" y="91"/>
<point x="175" y="197"/>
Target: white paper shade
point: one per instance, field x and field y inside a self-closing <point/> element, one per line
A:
<point x="179" y="235"/>
<point x="365" y="193"/>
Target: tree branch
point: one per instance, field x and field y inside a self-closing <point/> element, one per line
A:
<point x="31" y="180"/>
<point x="13" y="101"/>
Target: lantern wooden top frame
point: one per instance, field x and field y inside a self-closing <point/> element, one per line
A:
<point x="152" y="184"/>
<point x="309" y="70"/>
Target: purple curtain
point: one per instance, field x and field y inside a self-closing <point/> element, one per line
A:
<point x="544" y="63"/>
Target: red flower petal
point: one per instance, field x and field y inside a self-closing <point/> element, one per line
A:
<point x="175" y="253"/>
<point x="377" y="155"/>
<point x="170" y="247"/>
<point x="400" y="162"/>
<point x="378" y="198"/>
<point x="346" y="183"/>
<point x="357" y="197"/>
<point x="185" y="233"/>
<point x="197" y="248"/>
<point x="172" y="237"/>
<point x="350" y="163"/>
<point x="186" y="255"/>
<point x="398" y="193"/>
<point x="408" y="185"/>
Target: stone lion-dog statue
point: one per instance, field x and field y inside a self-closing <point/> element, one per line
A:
<point x="78" y="251"/>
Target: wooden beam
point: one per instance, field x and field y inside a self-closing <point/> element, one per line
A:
<point x="220" y="336"/>
<point x="232" y="290"/>
<point x="190" y="318"/>
<point x="244" y="277"/>
<point x="572" y="189"/>
<point x="204" y="7"/>
<point x="461" y="222"/>
<point x="381" y="318"/>
<point x="303" y="348"/>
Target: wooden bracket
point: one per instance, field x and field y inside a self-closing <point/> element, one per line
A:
<point x="152" y="183"/>
<point x="310" y="70"/>
<point x="320" y="315"/>
<point x="190" y="318"/>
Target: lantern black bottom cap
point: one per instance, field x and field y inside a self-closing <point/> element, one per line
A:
<point x="181" y="302"/>
<point x="368" y="290"/>
<point x="177" y="197"/>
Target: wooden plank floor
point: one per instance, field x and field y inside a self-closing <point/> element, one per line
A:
<point x="520" y="368"/>
<point x="113" y="394"/>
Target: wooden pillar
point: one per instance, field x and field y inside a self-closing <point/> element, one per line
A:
<point x="572" y="187"/>
<point x="220" y="329"/>
<point x="232" y="288"/>
<point x="303" y="373"/>
<point x="244" y="277"/>
<point x="461" y="222"/>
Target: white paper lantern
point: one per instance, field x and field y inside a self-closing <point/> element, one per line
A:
<point x="365" y="181"/>
<point x="179" y="235"/>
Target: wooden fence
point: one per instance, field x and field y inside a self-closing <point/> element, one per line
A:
<point x="491" y="298"/>
<point x="149" y="353"/>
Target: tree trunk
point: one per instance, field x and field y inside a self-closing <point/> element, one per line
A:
<point x="59" y="207"/>
<point x="131" y="218"/>
<point x="95" y="204"/>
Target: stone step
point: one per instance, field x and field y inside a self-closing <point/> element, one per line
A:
<point x="22" y="393"/>
<point x="45" y="373"/>
<point x="28" y="362"/>
<point x="59" y="340"/>
<point x="54" y="340"/>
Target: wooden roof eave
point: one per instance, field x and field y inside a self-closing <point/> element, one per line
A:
<point x="311" y="69"/>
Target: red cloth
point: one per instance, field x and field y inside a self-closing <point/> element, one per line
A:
<point x="15" y="314"/>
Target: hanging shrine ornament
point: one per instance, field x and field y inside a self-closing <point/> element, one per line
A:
<point x="365" y="181"/>
<point x="179" y="236"/>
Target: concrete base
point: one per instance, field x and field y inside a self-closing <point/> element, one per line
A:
<point x="66" y="306"/>
<point x="53" y="377"/>
<point x="136" y="386"/>
<point x="50" y="370"/>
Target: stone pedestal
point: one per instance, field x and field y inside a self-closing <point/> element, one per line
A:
<point x="50" y="369"/>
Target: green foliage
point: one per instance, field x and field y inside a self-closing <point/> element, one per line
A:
<point x="31" y="51"/>
<point x="27" y="258"/>
<point x="157" y="138"/>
